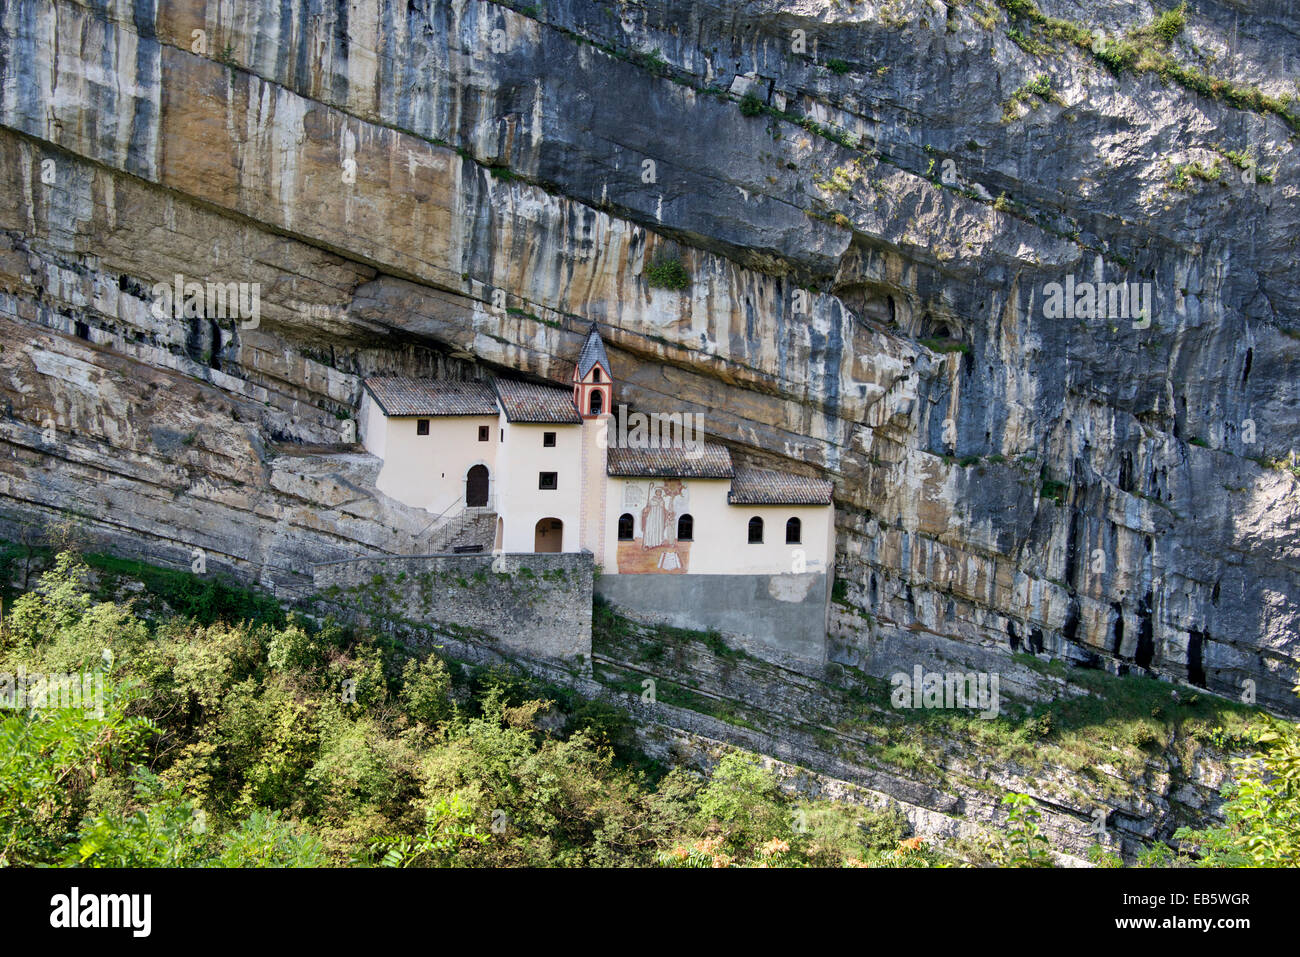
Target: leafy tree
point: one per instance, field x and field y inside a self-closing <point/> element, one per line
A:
<point x="448" y="829"/>
<point x="162" y="830"/>
<point x="426" y="687"/>
<point x="49" y="758"/>
<point x="745" y="801"/>
<point x="1262" y="812"/>
<point x="60" y="599"/>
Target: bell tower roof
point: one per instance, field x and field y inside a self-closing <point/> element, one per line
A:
<point x="593" y="354"/>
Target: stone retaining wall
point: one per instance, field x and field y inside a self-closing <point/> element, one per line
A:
<point x="538" y="606"/>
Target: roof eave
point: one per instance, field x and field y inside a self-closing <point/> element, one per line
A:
<point x="781" y="504"/>
<point x="371" y="392"/>
<point x="676" y="475"/>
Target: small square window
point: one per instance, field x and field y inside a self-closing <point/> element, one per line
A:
<point x="483" y="433"/>
<point x="422" y="427"/>
<point x="547" y="480"/>
<point x="548" y="440"/>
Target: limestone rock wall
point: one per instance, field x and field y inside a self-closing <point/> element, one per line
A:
<point x="861" y="305"/>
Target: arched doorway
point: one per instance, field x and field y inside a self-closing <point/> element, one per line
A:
<point x="548" y="536"/>
<point x="476" y="487"/>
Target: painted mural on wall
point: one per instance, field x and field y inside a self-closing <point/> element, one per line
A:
<point x="661" y="541"/>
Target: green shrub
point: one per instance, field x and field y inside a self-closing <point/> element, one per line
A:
<point x="653" y="61"/>
<point x="1170" y="24"/>
<point x="667" y="273"/>
<point x="426" y="687"/>
<point x="750" y="104"/>
<point x="1054" y="490"/>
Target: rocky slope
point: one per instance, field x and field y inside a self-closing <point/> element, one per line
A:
<point x="426" y="187"/>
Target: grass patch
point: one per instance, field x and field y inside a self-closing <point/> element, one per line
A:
<point x="1034" y="93"/>
<point x="653" y="61"/>
<point x="1185" y="172"/>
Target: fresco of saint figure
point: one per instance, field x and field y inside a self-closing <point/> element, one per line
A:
<point x="656" y="518"/>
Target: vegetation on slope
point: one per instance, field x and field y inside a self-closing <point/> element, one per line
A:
<point x="273" y="740"/>
<point x="232" y="734"/>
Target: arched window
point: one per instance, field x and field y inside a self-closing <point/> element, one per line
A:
<point x="597" y="402"/>
<point x="792" y="529"/>
<point x="625" y="527"/>
<point x="756" y="531"/>
<point x="595" y="374"/>
<point x="686" y="529"/>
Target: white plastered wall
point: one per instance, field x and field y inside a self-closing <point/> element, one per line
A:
<point x="520" y="503"/>
<point x="721" y="537"/>
<point x="429" y="471"/>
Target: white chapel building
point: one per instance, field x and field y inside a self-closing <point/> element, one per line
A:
<point x="546" y="461"/>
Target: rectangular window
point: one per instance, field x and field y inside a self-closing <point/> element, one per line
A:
<point x="548" y="440"/>
<point x="422" y="427"/>
<point x="483" y="433"/>
<point x="503" y="435"/>
<point x="547" y="480"/>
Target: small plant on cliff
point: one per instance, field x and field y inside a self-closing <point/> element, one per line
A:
<point x="653" y="61"/>
<point x="667" y="273"/>
<point x="750" y="104"/>
<point x="1040" y="87"/>
<point x="1051" y="488"/>
<point x="1027" y="845"/>
<point x="1170" y="24"/>
<point x="1185" y="171"/>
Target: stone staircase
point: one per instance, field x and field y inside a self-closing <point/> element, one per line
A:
<point x="462" y="529"/>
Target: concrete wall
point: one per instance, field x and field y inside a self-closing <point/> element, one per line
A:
<point x="780" y="618"/>
<point x="721" y="543"/>
<point x="538" y="606"/>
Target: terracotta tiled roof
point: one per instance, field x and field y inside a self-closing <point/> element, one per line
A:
<point x="529" y="402"/>
<point x="403" y="395"/>
<point x="753" y="486"/>
<point x="708" y="461"/>
<point x="593" y="352"/>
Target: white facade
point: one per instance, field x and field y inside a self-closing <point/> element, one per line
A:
<point x="430" y="471"/>
<point x="719" y="536"/>
<point x="522" y="501"/>
<point x="547" y="479"/>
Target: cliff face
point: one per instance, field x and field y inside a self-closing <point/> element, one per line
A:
<point x="424" y="186"/>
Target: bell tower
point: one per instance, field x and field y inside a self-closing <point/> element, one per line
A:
<point x="593" y="397"/>
<point x="593" y="386"/>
